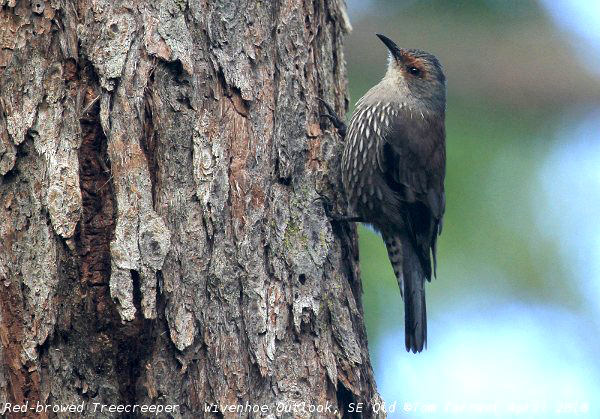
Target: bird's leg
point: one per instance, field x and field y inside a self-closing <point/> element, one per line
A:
<point x="328" y="207"/>
<point x="337" y="122"/>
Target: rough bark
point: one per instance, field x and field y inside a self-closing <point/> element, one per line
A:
<point x="161" y="241"/>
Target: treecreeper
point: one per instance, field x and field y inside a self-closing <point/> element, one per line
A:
<point x="393" y="168"/>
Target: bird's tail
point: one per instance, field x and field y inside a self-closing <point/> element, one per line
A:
<point x="411" y="280"/>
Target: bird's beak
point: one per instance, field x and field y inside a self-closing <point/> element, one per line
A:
<point x="394" y="49"/>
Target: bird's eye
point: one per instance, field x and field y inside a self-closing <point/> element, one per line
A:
<point x="414" y="71"/>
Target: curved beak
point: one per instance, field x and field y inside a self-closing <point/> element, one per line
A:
<point x="394" y="49"/>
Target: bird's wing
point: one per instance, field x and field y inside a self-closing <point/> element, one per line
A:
<point x="413" y="160"/>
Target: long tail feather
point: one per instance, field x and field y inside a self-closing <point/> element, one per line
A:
<point x="415" y="313"/>
<point x="411" y="280"/>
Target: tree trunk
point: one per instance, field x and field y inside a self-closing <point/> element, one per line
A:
<point x="161" y="237"/>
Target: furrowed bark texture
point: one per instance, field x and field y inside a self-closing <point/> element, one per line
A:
<point x="161" y="240"/>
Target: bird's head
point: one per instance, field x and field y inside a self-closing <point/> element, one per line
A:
<point x="415" y="73"/>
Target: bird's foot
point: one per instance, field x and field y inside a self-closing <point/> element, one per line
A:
<point x="337" y="122"/>
<point x="334" y="216"/>
<point x="345" y="218"/>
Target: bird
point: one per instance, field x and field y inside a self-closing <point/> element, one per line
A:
<point x="393" y="168"/>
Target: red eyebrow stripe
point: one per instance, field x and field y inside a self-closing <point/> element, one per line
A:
<point x="411" y="61"/>
<point x="417" y="62"/>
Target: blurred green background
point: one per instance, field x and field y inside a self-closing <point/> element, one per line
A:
<point x="514" y="313"/>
